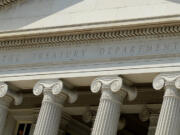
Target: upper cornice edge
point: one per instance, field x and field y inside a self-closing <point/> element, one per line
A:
<point x="4" y="3"/>
<point x="90" y="35"/>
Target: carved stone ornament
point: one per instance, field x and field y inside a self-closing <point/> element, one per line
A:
<point x="114" y="83"/>
<point x="55" y="85"/>
<point x="41" y="40"/>
<point x="169" y="79"/>
<point x="4" y="3"/>
<point x="18" y="98"/>
<point x="3" y="89"/>
<point x="72" y="95"/>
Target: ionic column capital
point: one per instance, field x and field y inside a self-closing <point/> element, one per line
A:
<point x="54" y="87"/>
<point x="169" y="81"/>
<point x="8" y="95"/>
<point x="114" y="84"/>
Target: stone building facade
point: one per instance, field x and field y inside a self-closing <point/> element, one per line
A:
<point x="89" y="67"/>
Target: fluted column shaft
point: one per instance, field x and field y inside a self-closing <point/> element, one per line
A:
<point x="169" y="119"/>
<point x="107" y="118"/>
<point x="113" y="95"/>
<point x="4" y="104"/>
<point x="50" y="115"/>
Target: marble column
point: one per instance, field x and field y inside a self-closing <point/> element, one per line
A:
<point x="113" y="94"/>
<point x="169" y="119"/>
<point x="51" y="109"/>
<point x="6" y="97"/>
<point x="153" y="119"/>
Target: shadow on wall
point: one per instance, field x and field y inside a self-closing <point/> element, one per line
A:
<point x="26" y="12"/>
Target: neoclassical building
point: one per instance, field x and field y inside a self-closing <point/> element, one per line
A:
<point x="89" y="67"/>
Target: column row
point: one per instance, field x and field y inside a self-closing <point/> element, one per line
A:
<point x="114" y="91"/>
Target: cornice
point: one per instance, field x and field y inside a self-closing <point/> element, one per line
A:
<point x="4" y="3"/>
<point x="87" y="35"/>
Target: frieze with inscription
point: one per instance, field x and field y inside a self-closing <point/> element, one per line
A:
<point x="92" y="52"/>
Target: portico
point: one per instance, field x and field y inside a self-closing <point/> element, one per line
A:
<point x="120" y="89"/>
<point x="67" y="71"/>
